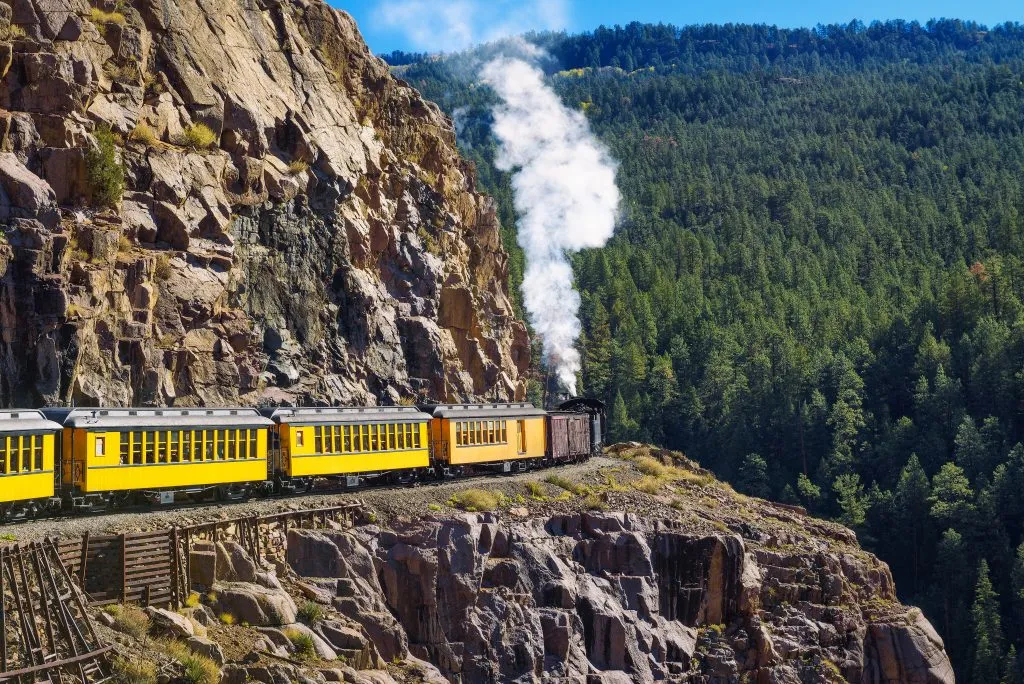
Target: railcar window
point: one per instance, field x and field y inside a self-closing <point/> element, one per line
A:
<point x="3" y="455"/>
<point x="300" y="438"/>
<point x="147" y="446"/>
<point x="37" y="450"/>
<point x="136" y="447"/>
<point x="186" y="445"/>
<point x="252" y="444"/>
<point x="175" y="446"/>
<point x="14" y="446"/>
<point x="125" y="447"/>
<point x="101" y="446"/>
<point x="220" y="436"/>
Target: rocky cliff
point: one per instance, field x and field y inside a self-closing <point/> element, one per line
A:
<point x="294" y="223"/>
<point x="640" y="568"/>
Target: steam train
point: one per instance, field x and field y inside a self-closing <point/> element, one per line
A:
<point x="93" y="459"/>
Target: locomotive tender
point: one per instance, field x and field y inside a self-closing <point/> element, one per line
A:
<point x="91" y="459"/>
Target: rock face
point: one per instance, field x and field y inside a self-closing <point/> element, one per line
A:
<point x="616" y="598"/>
<point x="327" y="246"/>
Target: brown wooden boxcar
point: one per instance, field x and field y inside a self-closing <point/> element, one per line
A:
<point x="568" y="435"/>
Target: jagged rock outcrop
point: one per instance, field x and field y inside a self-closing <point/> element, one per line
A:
<point x="328" y="245"/>
<point x="614" y="597"/>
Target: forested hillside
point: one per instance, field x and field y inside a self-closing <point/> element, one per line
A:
<point x="817" y="286"/>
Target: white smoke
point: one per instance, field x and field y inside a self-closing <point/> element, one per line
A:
<point x="564" y="191"/>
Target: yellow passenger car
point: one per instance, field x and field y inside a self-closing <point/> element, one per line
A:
<point x="467" y="434"/>
<point x="160" y="453"/>
<point x="26" y="461"/>
<point x="321" y="442"/>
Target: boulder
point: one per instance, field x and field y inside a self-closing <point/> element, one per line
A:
<point x="24" y="194"/>
<point x="255" y="604"/>
<point x="170" y="623"/>
<point x="207" y="648"/>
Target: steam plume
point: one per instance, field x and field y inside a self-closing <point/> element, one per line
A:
<point x="565" y="193"/>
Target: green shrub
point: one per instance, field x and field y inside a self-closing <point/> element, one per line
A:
<point x="133" y="671"/>
<point x="594" y="502"/>
<point x="475" y="500"/>
<point x="104" y="173"/>
<point x="200" y="670"/>
<point x="310" y="612"/>
<point x="302" y="643"/>
<point x="198" y="136"/>
<point x="226" y="619"/>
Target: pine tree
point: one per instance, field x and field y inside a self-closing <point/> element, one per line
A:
<point x="620" y="427"/>
<point x="1012" y="668"/>
<point x="851" y="499"/>
<point x="597" y="369"/>
<point x="1017" y="595"/>
<point x="753" y="476"/>
<point x="911" y="502"/>
<point x="988" y="633"/>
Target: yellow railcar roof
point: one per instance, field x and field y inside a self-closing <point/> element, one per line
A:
<point x="165" y="418"/>
<point x="26" y="421"/>
<point x="330" y="415"/>
<point x="498" y="410"/>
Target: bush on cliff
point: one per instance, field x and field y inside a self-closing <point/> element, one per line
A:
<point x="104" y="173"/>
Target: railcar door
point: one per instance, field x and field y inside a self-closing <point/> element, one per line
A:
<point x="521" y="435"/>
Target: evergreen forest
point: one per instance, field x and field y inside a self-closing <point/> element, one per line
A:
<point x="816" y="288"/>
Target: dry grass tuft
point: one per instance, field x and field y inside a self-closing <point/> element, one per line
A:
<point x="129" y="619"/>
<point x="649" y="484"/>
<point x="200" y="670"/>
<point x="133" y="671"/>
<point x="144" y="134"/>
<point x="298" y="166"/>
<point x="474" y="500"/>
<point x="535" y="490"/>
<point x="101" y="17"/>
<point x="198" y="136"/>
<point x="302" y="643"/>
<point x="567" y="485"/>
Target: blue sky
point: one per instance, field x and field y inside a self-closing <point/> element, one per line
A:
<point x="445" y="25"/>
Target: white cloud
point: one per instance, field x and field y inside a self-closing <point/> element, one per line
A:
<point x="452" y="25"/>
